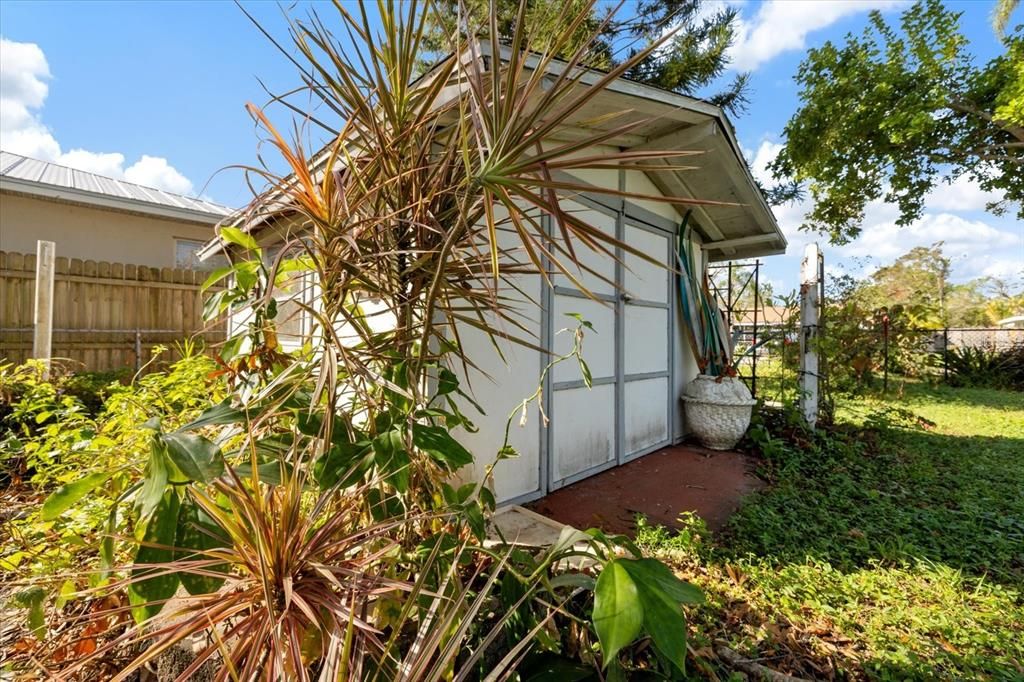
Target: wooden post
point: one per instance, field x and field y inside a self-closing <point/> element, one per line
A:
<point x="42" y="338"/>
<point x="810" y="315"/>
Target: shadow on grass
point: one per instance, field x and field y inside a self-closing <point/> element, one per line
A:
<point x="908" y="496"/>
<point x="895" y="553"/>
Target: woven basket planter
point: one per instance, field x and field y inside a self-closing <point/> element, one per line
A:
<point x="718" y="410"/>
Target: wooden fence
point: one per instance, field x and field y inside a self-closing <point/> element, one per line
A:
<point x="106" y="316"/>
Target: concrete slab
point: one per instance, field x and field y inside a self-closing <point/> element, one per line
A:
<point x="520" y="526"/>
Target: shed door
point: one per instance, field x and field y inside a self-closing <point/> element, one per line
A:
<point x="582" y="438"/>
<point x="626" y="412"/>
<point x="646" y="339"/>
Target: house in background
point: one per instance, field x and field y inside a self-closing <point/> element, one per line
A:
<point x="639" y="359"/>
<point x="91" y="217"/>
<point x="127" y="277"/>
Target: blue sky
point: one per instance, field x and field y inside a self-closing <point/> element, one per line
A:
<point x="155" y="91"/>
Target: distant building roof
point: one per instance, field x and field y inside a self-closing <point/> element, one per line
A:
<point x="23" y="175"/>
<point x="767" y="315"/>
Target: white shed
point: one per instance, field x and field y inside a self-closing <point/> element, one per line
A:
<point x="638" y="357"/>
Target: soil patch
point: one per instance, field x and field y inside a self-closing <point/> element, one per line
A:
<point x="660" y="486"/>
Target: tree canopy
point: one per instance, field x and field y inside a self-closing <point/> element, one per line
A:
<point x="689" y="62"/>
<point x="919" y="282"/>
<point x="894" y="112"/>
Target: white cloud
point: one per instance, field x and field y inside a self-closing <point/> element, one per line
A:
<point x="24" y="76"/>
<point x="764" y="155"/>
<point x="963" y="194"/>
<point x="783" y="25"/>
<point x="154" y="171"/>
<point x="977" y="246"/>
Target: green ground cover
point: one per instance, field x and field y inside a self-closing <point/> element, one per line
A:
<point x="891" y="549"/>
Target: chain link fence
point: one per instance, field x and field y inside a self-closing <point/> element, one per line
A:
<point x="942" y="353"/>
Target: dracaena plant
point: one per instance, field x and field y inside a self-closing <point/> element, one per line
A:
<point x="426" y="206"/>
<point x="429" y="202"/>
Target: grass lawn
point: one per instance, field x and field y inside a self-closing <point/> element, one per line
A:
<point x="892" y="550"/>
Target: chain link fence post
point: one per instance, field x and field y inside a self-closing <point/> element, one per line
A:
<point x="945" y="355"/>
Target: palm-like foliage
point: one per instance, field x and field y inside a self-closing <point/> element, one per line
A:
<point x="433" y="199"/>
<point x="438" y="193"/>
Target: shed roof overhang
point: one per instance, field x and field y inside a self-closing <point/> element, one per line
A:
<point x="742" y="227"/>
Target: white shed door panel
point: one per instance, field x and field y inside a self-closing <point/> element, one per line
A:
<point x="625" y="413"/>
<point x="583" y="435"/>
<point x="646" y="338"/>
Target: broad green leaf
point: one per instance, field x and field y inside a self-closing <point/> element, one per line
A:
<point x="568" y="537"/>
<point x="66" y="593"/>
<point x="392" y="459"/>
<point x="198" y="532"/>
<point x="246" y="275"/>
<point x="216" y="276"/>
<point x="618" y="614"/>
<point x="65" y="496"/>
<point x="268" y="472"/>
<point x="160" y="530"/>
<point x="583" y="322"/>
<point x="199" y="458"/>
<point x="341" y="463"/>
<point x="439" y="444"/>
<point x="588" y="379"/>
<point x="658" y="576"/>
<point x="447" y="381"/>
<point x="107" y="543"/>
<point x="664" y="622"/>
<point x="235" y="236"/>
<point x="33" y="599"/>
<point x="154" y="483"/>
<point x="573" y="580"/>
<point x="222" y="413"/>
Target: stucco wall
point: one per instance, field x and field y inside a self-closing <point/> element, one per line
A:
<point x="92" y="233"/>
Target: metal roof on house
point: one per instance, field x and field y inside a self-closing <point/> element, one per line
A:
<point x="50" y="180"/>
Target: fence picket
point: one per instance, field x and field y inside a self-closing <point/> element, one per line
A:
<point x="99" y="307"/>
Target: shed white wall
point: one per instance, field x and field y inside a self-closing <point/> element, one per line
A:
<point x="500" y="385"/>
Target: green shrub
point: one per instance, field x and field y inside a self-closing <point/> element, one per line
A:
<point x="987" y="367"/>
<point x="50" y="439"/>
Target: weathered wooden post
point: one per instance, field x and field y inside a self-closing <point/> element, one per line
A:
<point x="42" y="336"/>
<point x="810" y="316"/>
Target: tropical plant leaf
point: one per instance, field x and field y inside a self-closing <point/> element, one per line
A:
<point x="155" y="481"/>
<point x="235" y="236"/>
<point x="65" y="496"/>
<point x="341" y="463"/>
<point x="219" y="414"/>
<point x="34" y="599"/>
<point x="618" y="614"/>
<point x="198" y="458"/>
<point x="269" y="473"/>
<point x="437" y="442"/>
<point x="657" y="576"/>
<point x="198" y="532"/>
<point x="664" y="622"/>
<point x="151" y="583"/>
<point x="392" y="459"/>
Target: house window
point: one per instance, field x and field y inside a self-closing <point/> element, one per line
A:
<point x="186" y="256"/>
<point x="290" y="292"/>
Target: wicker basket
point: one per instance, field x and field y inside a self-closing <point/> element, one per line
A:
<point x="718" y="410"/>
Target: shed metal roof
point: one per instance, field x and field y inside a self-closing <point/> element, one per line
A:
<point x="50" y="180"/>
